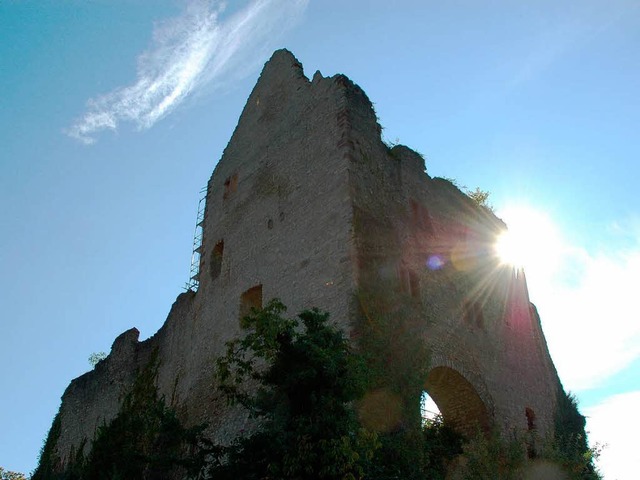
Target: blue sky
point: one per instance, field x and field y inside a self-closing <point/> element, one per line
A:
<point x="114" y="113"/>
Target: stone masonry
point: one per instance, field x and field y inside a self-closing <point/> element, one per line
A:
<point x="306" y="204"/>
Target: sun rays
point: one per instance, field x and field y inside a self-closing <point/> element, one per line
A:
<point x="531" y="241"/>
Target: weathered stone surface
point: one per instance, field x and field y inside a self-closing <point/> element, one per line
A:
<point x="305" y="204"/>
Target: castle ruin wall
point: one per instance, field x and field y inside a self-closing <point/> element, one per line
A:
<point x="309" y="205"/>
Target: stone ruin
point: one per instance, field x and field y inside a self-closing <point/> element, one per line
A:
<point x="309" y="205"/>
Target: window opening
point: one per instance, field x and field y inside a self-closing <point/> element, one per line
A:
<point x="230" y="186"/>
<point x="216" y="259"/>
<point x="457" y="400"/>
<point x="531" y="419"/>
<point x="429" y="411"/>
<point x="252" y="298"/>
<point x="531" y="426"/>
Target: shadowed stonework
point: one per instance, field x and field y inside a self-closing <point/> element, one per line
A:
<point x="307" y="204"/>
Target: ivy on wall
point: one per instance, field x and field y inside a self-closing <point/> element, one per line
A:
<point x="144" y="441"/>
<point x="569" y="446"/>
<point x="390" y="328"/>
<point x="49" y="462"/>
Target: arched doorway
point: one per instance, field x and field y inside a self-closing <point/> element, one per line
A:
<point x="458" y="401"/>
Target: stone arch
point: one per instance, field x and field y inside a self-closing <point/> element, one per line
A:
<point x="459" y="402"/>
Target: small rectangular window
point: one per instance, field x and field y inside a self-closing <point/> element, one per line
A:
<point x="230" y="186"/>
<point x="216" y="259"/>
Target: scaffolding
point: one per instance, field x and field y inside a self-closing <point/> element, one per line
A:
<point x="194" y="271"/>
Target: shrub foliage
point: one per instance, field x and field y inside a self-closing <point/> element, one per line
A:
<point x="298" y="379"/>
<point x="312" y="398"/>
<point x="144" y="441"/>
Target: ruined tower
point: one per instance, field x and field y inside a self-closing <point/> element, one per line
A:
<point x="309" y="205"/>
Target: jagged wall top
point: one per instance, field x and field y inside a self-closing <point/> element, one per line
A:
<point x="283" y="88"/>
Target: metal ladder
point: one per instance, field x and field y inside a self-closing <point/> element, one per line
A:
<point x="194" y="271"/>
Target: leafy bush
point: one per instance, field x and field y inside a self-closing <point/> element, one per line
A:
<point x="9" y="475"/>
<point x="490" y="456"/>
<point x="298" y="378"/>
<point x="569" y="446"/>
<point x="441" y="445"/>
<point x="96" y="357"/>
<point x="480" y="197"/>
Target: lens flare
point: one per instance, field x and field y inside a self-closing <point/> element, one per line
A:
<point x="531" y="242"/>
<point x="511" y="249"/>
<point x="435" y="262"/>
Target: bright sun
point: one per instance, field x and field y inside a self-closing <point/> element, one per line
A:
<point x="531" y="241"/>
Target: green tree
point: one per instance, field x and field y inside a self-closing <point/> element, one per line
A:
<point x="298" y="378"/>
<point x="480" y="197"/>
<point x="96" y="357"/>
<point x="9" y="475"/>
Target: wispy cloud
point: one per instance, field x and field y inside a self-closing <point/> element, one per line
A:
<point x="195" y="51"/>
<point x="589" y="311"/>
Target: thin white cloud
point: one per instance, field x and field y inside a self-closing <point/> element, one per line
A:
<point x="615" y="423"/>
<point x="193" y="52"/>
<point x="589" y="312"/>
